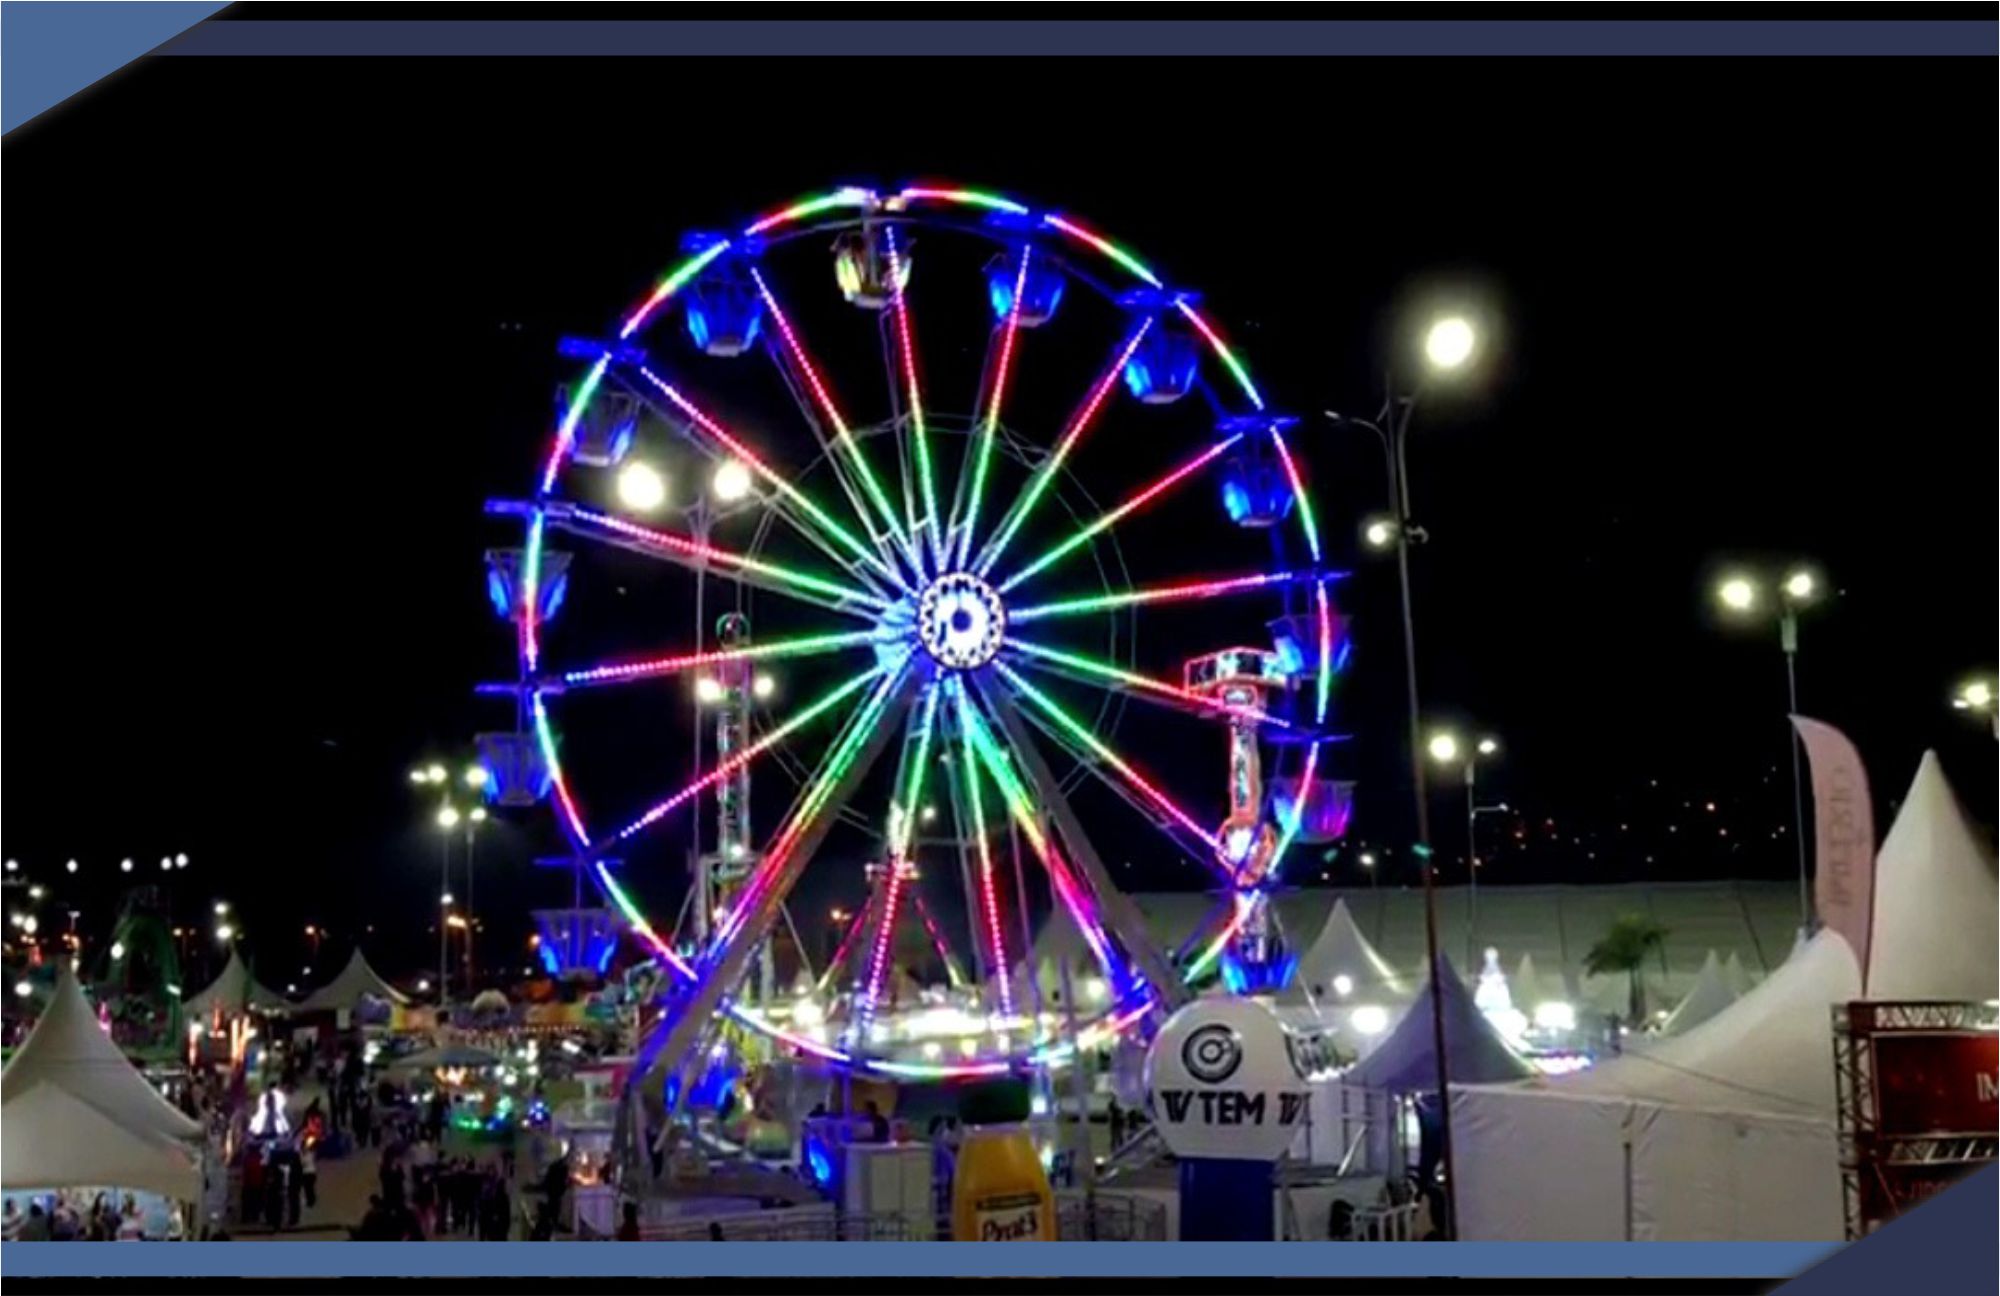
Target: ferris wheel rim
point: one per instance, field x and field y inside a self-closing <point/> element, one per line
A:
<point x="796" y="221"/>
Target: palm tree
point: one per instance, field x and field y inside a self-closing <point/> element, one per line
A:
<point x="1625" y="948"/>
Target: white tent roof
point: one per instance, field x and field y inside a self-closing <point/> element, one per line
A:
<point x="1406" y="1059"/>
<point x="345" y="991"/>
<point x="1341" y="950"/>
<point x="1937" y="906"/>
<point x="1770" y="1051"/>
<point x="1735" y="976"/>
<point x="1526" y="989"/>
<point x="57" y="1140"/>
<point x="68" y="1050"/>
<point x="232" y="991"/>
<point x="1709" y="996"/>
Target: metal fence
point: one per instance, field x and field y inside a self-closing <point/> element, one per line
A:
<point x="1080" y="1217"/>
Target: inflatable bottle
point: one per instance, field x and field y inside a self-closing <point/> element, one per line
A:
<point x="1000" y="1193"/>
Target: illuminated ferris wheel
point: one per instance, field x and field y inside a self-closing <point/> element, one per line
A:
<point x="963" y="591"/>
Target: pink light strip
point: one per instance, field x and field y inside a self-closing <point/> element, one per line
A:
<point x="989" y="426"/>
<point x="890" y="903"/>
<point x="1117" y="515"/>
<point x="1079" y="423"/>
<point x="809" y="646"/>
<point x="693" y="548"/>
<point x="1104" y="753"/>
<point x="736" y="762"/>
<point x="1158" y="594"/>
<point x="1147" y="683"/>
<point x="795" y="347"/>
<point x="764" y="472"/>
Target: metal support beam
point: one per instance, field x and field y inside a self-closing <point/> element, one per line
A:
<point x="1121" y="916"/>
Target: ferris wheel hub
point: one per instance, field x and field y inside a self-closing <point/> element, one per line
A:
<point x="960" y="621"/>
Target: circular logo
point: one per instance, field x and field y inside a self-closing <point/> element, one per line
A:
<point x="1212" y="1053"/>
<point x="960" y="621"/>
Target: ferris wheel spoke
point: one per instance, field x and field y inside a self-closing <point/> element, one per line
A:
<point x="928" y="529"/>
<point x="971" y="487"/>
<point x="1044" y="474"/>
<point x="1104" y="675"/>
<point x="912" y="765"/>
<point x="988" y="932"/>
<point x="698" y="555"/>
<point x="952" y="972"/>
<point x="1079" y="734"/>
<point x="1207" y="589"/>
<point x="750" y="920"/>
<point x="1075" y="866"/>
<point x="1020" y="807"/>
<point x="654" y="667"/>
<point x="791" y="503"/>
<point x="871" y="485"/>
<point x="728" y="768"/>
<point x="1133" y="503"/>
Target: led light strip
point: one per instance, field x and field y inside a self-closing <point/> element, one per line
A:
<point x="1119" y="514"/>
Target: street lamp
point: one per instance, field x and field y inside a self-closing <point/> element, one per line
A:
<point x="1978" y="696"/>
<point x="1740" y="595"/>
<point x="1450" y="344"/>
<point x="641" y="488"/>
<point x="731" y="481"/>
<point x="1445" y="750"/>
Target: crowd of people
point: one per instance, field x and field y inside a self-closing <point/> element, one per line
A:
<point x="422" y="1194"/>
<point x="62" y="1217"/>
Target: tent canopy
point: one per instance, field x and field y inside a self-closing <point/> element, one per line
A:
<point x="1937" y="905"/>
<point x="233" y="991"/>
<point x="1406" y="1059"/>
<point x="1710" y="994"/>
<point x="68" y="1050"/>
<point x="345" y="992"/>
<point x="57" y="1140"/>
<point x="1341" y="950"/>
<point x="1727" y="1131"/>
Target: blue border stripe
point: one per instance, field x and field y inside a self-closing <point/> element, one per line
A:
<point x="919" y="1259"/>
<point x="937" y="37"/>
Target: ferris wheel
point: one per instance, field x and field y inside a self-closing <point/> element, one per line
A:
<point x="963" y="590"/>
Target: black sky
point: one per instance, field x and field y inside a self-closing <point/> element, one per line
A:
<point x="276" y="329"/>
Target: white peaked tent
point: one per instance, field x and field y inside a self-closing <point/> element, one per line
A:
<point x="1726" y="1133"/>
<point x="1735" y="976"/>
<point x="1943" y="881"/>
<point x="1709" y="995"/>
<point x="71" y="1053"/>
<point x="1341" y="950"/>
<point x="1527" y="989"/>
<point x="345" y="992"/>
<point x="233" y="991"/>
<point x="57" y="1140"/>
<point x="1406" y="1059"/>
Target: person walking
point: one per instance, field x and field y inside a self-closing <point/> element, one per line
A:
<point x="309" y="1174"/>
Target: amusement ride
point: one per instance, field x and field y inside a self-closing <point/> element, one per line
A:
<point x="963" y="592"/>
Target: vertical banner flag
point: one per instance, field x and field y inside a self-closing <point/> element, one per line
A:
<point x="1844" y="830"/>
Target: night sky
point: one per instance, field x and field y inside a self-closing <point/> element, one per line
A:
<point x="277" y="330"/>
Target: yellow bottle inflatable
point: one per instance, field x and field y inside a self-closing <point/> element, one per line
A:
<point x="999" y="1191"/>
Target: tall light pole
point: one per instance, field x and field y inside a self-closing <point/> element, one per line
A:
<point x="447" y="819"/>
<point x="476" y="778"/>
<point x="1445" y="750"/>
<point x="1449" y="344"/>
<point x="435" y="775"/>
<point x="641" y="488"/>
<point x="1741" y="595"/>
